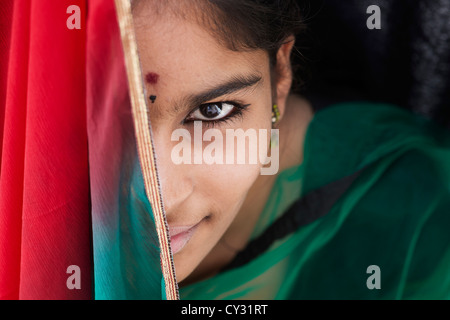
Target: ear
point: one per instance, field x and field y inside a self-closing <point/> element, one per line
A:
<point x="282" y="79"/>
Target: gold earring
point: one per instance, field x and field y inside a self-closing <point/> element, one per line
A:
<point x="275" y="114"/>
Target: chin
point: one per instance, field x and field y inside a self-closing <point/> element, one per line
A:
<point x="184" y="266"/>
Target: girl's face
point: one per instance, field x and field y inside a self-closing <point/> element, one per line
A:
<point x="192" y="77"/>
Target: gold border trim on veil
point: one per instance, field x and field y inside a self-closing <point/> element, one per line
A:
<point x="145" y="142"/>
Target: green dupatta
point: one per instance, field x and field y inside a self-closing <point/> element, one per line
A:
<point x="395" y="216"/>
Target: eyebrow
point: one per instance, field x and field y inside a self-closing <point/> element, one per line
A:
<point x="236" y="83"/>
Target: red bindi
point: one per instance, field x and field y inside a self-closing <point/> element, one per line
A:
<point x="152" y="78"/>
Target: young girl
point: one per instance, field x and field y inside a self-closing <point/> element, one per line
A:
<point x="358" y="208"/>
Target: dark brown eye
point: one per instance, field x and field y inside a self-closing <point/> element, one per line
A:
<point x="212" y="111"/>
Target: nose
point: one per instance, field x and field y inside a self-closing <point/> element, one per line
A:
<point x="176" y="180"/>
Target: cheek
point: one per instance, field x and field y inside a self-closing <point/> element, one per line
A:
<point x="232" y="178"/>
<point x="226" y="187"/>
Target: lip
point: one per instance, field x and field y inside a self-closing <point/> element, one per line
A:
<point x="180" y="236"/>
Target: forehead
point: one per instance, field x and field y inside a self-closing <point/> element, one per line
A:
<point x="178" y="47"/>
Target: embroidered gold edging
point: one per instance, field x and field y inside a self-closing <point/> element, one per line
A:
<point x="144" y="142"/>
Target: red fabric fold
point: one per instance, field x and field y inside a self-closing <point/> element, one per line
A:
<point x="44" y="193"/>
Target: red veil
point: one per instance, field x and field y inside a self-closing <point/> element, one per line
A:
<point x="71" y="189"/>
<point x="44" y="181"/>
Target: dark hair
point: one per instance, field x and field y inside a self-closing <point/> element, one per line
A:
<point x="255" y="24"/>
<point x="241" y="24"/>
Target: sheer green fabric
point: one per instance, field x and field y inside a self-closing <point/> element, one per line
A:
<point x="126" y="253"/>
<point x="396" y="215"/>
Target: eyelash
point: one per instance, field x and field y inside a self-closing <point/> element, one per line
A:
<point x="237" y="113"/>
